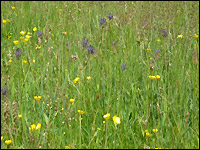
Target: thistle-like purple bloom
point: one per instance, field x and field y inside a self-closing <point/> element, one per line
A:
<point x="123" y="67"/>
<point x="110" y="16"/>
<point x="4" y="91"/>
<point x="18" y="53"/>
<point x="102" y="21"/>
<point x="91" y="50"/>
<point x="40" y="33"/>
<point x="85" y="42"/>
<point x="164" y="33"/>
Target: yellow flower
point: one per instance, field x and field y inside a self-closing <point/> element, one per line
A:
<point x="25" y="40"/>
<point x="67" y="147"/>
<point x="23" y="32"/>
<point x="15" y="14"/>
<point x="196" y="36"/>
<point x="158" y="40"/>
<point x="98" y="129"/>
<point x="65" y="33"/>
<point x="155" y="130"/>
<point x="12" y="7"/>
<point x="20" y="116"/>
<point x="146" y="131"/>
<point x="180" y="36"/>
<point x="158" y="148"/>
<point x="106" y="116"/>
<point x="8" y="20"/>
<point x="9" y="37"/>
<point x="4" y="21"/>
<point x="89" y="78"/>
<point x="152" y="77"/>
<point x="33" y="60"/>
<point x="62" y="109"/>
<point x="76" y="80"/>
<point x="64" y="133"/>
<point x="38" y="126"/>
<point x="104" y="122"/>
<point x="21" y="37"/>
<point x="1" y="138"/>
<point x="147" y="134"/>
<point x="33" y="126"/>
<point x="38" y="47"/>
<point x="151" y="58"/>
<point x="37" y="98"/>
<point x="8" y="142"/>
<point x="71" y="100"/>
<point x="28" y="33"/>
<point x="116" y="120"/>
<point x="157" y="77"/>
<point x="81" y="112"/>
<point x="16" y="42"/>
<point x="148" y="50"/>
<point x="28" y="36"/>
<point x="34" y="29"/>
<point x="24" y="61"/>
<point x="10" y="60"/>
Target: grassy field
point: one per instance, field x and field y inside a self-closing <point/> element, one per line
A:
<point x="64" y="67"/>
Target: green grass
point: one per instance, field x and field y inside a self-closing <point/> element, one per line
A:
<point x="170" y="104"/>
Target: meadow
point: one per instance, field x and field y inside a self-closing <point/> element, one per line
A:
<point x="99" y="75"/>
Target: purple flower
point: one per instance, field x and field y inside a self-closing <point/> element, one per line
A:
<point x="18" y="52"/>
<point x="67" y="43"/>
<point x="4" y="91"/>
<point x="164" y="33"/>
<point x="102" y="21"/>
<point x="40" y="33"/>
<point x="85" y="42"/>
<point x="113" y="43"/>
<point x="157" y="51"/>
<point x="110" y="16"/>
<point x="167" y="58"/>
<point x="123" y="67"/>
<point x="91" y="50"/>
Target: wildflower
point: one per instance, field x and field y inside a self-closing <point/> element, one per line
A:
<point x="123" y="67"/>
<point x="106" y="116"/>
<point x="110" y="16"/>
<point x="98" y="129"/>
<point x="84" y="42"/>
<point x="89" y="78"/>
<point x="33" y="126"/>
<point x="9" y="37"/>
<point x="180" y="36"/>
<point x="67" y="147"/>
<point x="75" y="56"/>
<point x="33" y="60"/>
<point x="4" y="21"/>
<point x="28" y="36"/>
<point x="147" y="134"/>
<point x="38" y="47"/>
<point x="158" y="40"/>
<point x="38" y="126"/>
<point x="148" y="50"/>
<point x="40" y="33"/>
<point x="152" y="77"/>
<point x="164" y="33"/>
<point x="4" y="91"/>
<point x="158" y="148"/>
<point x="21" y="37"/>
<point x="8" y="142"/>
<point x="116" y="120"/>
<point x="8" y="20"/>
<point x="62" y="109"/>
<point x="20" y="116"/>
<point x="155" y="130"/>
<point x="37" y="98"/>
<point x="1" y="138"/>
<point x="81" y="112"/>
<point x="91" y="50"/>
<point x="15" y="14"/>
<point x="104" y="122"/>
<point x="157" y="77"/>
<point x="10" y="60"/>
<point x="151" y="58"/>
<point x="102" y="21"/>
<point x="67" y="43"/>
<point x="64" y="133"/>
<point x="76" y="80"/>
<point x="65" y="33"/>
<point x="145" y="131"/>
<point x="18" y="51"/>
<point x="12" y="7"/>
<point x="196" y="36"/>
<point x="25" y="40"/>
<point x="24" y="61"/>
<point x="71" y="100"/>
<point x="28" y="33"/>
<point x="23" y="32"/>
<point x="34" y="29"/>
<point x="16" y="42"/>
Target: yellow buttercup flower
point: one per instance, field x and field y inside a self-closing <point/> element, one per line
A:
<point x="16" y="42"/>
<point x="180" y="36"/>
<point x="23" y="32"/>
<point x="38" y="47"/>
<point x="8" y="142"/>
<point x="20" y="116"/>
<point x="157" y="77"/>
<point x="158" y="148"/>
<point x="24" y="61"/>
<point x="8" y="20"/>
<point x="89" y="78"/>
<point x="104" y="122"/>
<point x="62" y="109"/>
<point x="34" y="29"/>
<point x="147" y="134"/>
<point x="71" y="100"/>
<point x="98" y="129"/>
<point x="38" y="126"/>
<point x="4" y="21"/>
<point x="146" y="131"/>
<point x="33" y="126"/>
<point x="155" y="130"/>
<point x="37" y="98"/>
<point x="116" y="120"/>
<point x="158" y="40"/>
<point x="76" y="80"/>
<point x="152" y="77"/>
<point x="81" y="112"/>
<point x="25" y="40"/>
<point x="28" y="36"/>
<point x="67" y="147"/>
<point x="28" y="33"/>
<point x="12" y="7"/>
<point x="1" y="138"/>
<point x="106" y="116"/>
<point x="9" y="37"/>
<point x="33" y="60"/>
<point x="10" y="60"/>
<point x="148" y="50"/>
<point x="196" y="36"/>
<point x="21" y="37"/>
<point x="65" y="33"/>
